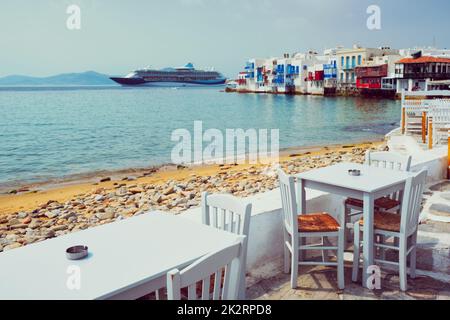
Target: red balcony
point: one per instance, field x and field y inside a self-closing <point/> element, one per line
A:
<point x="375" y="71"/>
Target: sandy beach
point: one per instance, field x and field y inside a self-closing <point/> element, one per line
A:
<point x="49" y="210"/>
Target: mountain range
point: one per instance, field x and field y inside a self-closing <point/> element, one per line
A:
<point x="65" y="79"/>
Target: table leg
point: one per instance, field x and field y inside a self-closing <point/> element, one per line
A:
<point x="367" y="235"/>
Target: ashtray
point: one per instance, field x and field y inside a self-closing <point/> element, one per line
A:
<point x="354" y="172"/>
<point x="77" y="252"/>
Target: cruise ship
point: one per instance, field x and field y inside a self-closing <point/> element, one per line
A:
<point x="172" y="77"/>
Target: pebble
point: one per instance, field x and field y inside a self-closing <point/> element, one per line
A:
<point x="109" y="214"/>
<point x="27" y="220"/>
<point x="99" y="197"/>
<point x="52" y="214"/>
<point x="22" y="215"/>
<point x="12" y="246"/>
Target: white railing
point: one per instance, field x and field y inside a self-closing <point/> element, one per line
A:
<point x="439" y="114"/>
<point x="427" y="116"/>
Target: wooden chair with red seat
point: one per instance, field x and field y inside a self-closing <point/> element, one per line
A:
<point x="300" y="227"/>
<point x="398" y="226"/>
<point x="388" y="160"/>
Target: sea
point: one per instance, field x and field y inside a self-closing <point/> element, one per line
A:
<point x="50" y="133"/>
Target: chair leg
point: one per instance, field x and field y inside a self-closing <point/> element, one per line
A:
<point x="302" y="253"/>
<point x="287" y="253"/>
<point x="325" y="254"/>
<point x="402" y="265"/>
<point x="356" y="251"/>
<point x="340" y="258"/>
<point x="382" y="250"/>
<point x="413" y="256"/>
<point x="294" y="265"/>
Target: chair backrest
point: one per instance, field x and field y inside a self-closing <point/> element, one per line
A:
<point x="412" y="202"/>
<point x="201" y="271"/>
<point x="288" y="201"/>
<point x="388" y="160"/>
<point x="226" y="212"/>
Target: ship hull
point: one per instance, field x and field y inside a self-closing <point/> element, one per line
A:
<point x="142" y="82"/>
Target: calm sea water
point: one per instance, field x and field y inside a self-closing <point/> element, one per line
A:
<point x="47" y="133"/>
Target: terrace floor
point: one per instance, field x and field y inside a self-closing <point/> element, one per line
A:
<point x="433" y="264"/>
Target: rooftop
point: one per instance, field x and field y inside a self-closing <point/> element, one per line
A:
<point x="423" y="59"/>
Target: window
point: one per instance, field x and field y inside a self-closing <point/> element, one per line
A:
<point x="342" y="61"/>
<point x="359" y="60"/>
<point x="353" y="61"/>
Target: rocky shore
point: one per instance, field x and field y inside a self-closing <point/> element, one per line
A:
<point x="123" y="200"/>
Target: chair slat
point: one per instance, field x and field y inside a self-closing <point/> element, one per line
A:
<point x="192" y="294"/>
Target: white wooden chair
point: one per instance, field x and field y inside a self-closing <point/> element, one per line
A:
<point x="228" y="213"/>
<point x="402" y="227"/>
<point x="388" y="160"/>
<point x="299" y="227"/>
<point x="201" y="271"/>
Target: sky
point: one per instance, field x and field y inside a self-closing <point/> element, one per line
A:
<point x="117" y="36"/>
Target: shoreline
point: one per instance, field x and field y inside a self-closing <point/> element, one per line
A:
<point x="21" y="187"/>
<point x="35" y="195"/>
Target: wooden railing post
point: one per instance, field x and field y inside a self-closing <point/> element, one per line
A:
<point x="424" y="127"/>
<point x="430" y="135"/>
<point x="403" y="120"/>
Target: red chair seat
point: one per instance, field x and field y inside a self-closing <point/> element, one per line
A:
<point x="317" y="222"/>
<point x="385" y="203"/>
<point x="385" y="221"/>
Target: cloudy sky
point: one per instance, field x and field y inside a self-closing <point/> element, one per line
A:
<point x="117" y="36"/>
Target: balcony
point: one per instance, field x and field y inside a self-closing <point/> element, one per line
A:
<point x="349" y="66"/>
<point x="427" y="75"/>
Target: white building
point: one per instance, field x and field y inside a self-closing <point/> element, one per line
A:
<point x="349" y="59"/>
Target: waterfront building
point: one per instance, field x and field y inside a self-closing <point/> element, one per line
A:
<point x="349" y="59"/>
<point x="315" y="83"/>
<point x="306" y="63"/>
<point x="413" y="73"/>
<point x="242" y="81"/>
<point x="376" y="77"/>
<point x="252" y="71"/>
<point x="283" y="75"/>
<point x="330" y="76"/>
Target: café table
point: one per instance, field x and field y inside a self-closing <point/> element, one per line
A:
<point x="127" y="259"/>
<point x="372" y="183"/>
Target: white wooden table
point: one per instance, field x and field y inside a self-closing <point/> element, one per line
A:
<point x="127" y="259"/>
<point x="373" y="183"/>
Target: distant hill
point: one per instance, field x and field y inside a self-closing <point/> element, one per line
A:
<point x="65" y="79"/>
